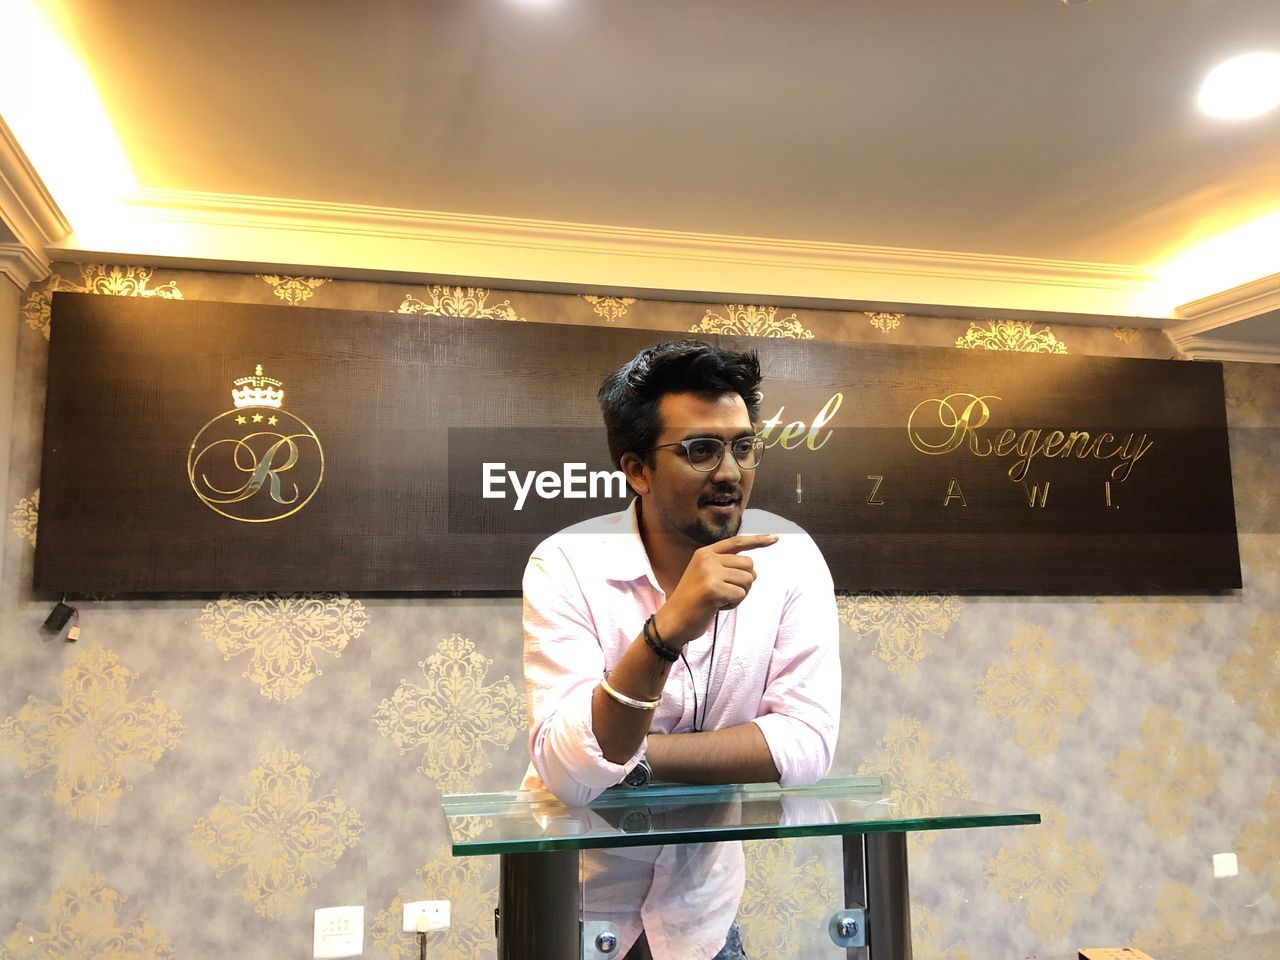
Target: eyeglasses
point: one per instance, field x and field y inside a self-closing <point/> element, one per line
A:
<point x="705" y="453"/>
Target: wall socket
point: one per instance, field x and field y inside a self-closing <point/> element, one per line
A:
<point x="339" y="933"/>
<point x="423" y="916"/>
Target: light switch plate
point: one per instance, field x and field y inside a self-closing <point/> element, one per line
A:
<point x="339" y="933"/>
<point x="423" y="916"/>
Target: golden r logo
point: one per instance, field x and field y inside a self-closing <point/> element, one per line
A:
<point x="257" y="462"/>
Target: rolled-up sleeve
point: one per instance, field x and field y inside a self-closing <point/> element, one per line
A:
<point x="563" y="663"/>
<point x="800" y="710"/>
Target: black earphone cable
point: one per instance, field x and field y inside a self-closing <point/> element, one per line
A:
<point x="693" y="683"/>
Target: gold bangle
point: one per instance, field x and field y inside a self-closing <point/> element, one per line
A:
<point x="626" y="701"/>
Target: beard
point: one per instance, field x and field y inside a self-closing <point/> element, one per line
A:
<point x="705" y="532"/>
<point x="702" y="530"/>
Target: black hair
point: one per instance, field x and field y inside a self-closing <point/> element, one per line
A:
<point x="630" y="395"/>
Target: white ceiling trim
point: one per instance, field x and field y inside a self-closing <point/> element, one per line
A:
<point x="21" y="266"/>
<point x="231" y="230"/>
<point x="1208" y="348"/>
<point x="401" y="224"/>
<point x="30" y="213"/>
<point x="1227" y="307"/>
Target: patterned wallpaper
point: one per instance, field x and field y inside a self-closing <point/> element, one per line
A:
<point x="194" y="777"/>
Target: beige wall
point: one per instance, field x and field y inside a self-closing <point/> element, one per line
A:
<point x="142" y="769"/>
<point x="9" y="295"/>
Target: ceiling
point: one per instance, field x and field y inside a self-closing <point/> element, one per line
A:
<point x="1003" y="128"/>
<point x="1015" y="127"/>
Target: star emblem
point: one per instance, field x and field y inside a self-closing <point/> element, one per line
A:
<point x="257" y="418"/>
<point x="240" y="420"/>
<point x="273" y="420"/>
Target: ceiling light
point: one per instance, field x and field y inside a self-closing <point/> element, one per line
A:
<point x="1242" y="87"/>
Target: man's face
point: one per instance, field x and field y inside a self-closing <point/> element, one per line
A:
<point x="681" y="501"/>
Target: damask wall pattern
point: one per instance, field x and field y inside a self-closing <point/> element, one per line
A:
<point x="247" y="759"/>
<point x="284" y="634"/>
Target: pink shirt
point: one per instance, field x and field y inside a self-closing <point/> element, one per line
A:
<point x="587" y="591"/>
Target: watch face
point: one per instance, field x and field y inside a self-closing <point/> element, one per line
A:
<point x="639" y="775"/>
<point x="637" y="820"/>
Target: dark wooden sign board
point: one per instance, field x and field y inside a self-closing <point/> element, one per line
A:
<point x="915" y="469"/>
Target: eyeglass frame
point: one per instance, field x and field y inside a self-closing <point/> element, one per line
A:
<point x="757" y="444"/>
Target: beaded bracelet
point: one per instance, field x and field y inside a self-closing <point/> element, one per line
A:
<point x="657" y="646"/>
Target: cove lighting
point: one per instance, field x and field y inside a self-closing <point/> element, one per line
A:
<point x="1241" y="88"/>
<point x="1228" y="259"/>
<point x="43" y="84"/>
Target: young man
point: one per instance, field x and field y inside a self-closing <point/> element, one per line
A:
<point x="686" y="636"/>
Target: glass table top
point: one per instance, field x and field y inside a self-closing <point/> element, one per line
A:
<point x="525" y="821"/>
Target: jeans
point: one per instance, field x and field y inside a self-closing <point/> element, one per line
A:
<point x="732" y="949"/>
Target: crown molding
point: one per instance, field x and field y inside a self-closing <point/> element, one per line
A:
<point x="232" y="231"/>
<point x="29" y="212"/>
<point x="21" y="266"/>
<point x="1209" y="348"/>
<point x="402" y="224"/>
<point x="1227" y="307"/>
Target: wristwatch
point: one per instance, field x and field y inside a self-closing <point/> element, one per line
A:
<point x="636" y="820"/>
<point x="638" y="776"/>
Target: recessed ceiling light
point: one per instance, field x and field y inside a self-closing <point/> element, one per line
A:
<point x="1242" y="87"/>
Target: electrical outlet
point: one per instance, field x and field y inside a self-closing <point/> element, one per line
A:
<point x="423" y="916"/>
<point x="339" y="933"/>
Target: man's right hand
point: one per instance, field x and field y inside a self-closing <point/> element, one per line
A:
<point x="718" y="577"/>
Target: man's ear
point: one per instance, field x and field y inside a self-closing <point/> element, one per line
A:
<point x="637" y="472"/>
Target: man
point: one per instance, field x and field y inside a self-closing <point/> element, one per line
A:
<point x="742" y="598"/>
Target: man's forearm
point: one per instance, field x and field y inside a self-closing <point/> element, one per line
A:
<point x="620" y="728"/>
<point x="737" y="754"/>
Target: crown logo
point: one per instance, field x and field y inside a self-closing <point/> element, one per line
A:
<point x="257" y="391"/>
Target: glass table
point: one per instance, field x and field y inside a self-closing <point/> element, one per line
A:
<point x="539" y="840"/>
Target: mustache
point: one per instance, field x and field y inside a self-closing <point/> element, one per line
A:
<point x="735" y="493"/>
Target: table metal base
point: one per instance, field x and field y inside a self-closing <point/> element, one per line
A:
<point x="875" y="879"/>
<point x="540" y="900"/>
<point x="539" y="906"/>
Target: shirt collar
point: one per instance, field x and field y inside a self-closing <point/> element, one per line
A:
<point x="622" y="553"/>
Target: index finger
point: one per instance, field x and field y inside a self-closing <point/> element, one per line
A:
<point x="746" y="541"/>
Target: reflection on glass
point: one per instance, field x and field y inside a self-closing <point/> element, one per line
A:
<point x="527" y="821"/>
<point x="668" y="859"/>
